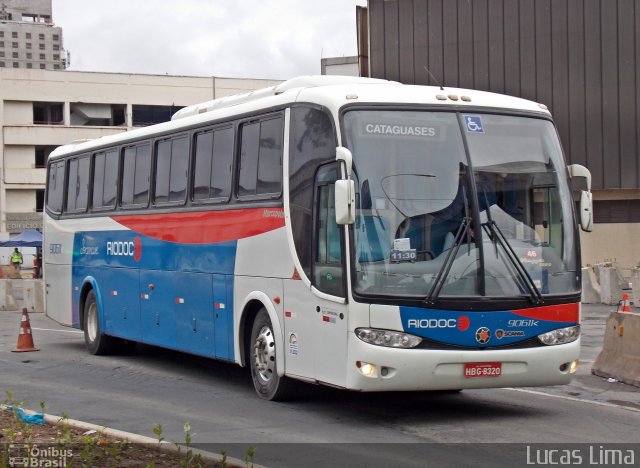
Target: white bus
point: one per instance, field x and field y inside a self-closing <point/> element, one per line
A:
<point x="352" y="232"/>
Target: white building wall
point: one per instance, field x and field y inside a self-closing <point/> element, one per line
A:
<point x="20" y="88"/>
<point x="18" y="113"/>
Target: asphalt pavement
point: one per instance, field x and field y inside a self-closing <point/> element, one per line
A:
<point x="135" y="392"/>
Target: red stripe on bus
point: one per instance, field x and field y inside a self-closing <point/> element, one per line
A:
<point x="205" y="227"/>
<point x="553" y="313"/>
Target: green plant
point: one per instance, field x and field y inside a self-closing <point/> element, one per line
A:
<point x="189" y="460"/>
<point x="248" y="458"/>
<point x="157" y="430"/>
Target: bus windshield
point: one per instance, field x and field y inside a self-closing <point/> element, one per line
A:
<point x="460" y="205"/>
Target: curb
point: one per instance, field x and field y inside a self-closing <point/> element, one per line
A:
<point x="163" y="446"/>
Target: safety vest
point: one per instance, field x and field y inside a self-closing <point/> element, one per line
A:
<point x="16" y="257"/>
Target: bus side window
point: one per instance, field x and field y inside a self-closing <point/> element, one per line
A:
<point x="55" y="187"/>
<point x="136" y="165"/>
<point x="78" y="185"/>
<point x="105" y="180"/>
<point x="328" y="268"/>
<point x="260" y="173"/>
<point x="212" y="165"/>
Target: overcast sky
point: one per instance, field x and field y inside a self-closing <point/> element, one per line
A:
<point x="275" y="39"/>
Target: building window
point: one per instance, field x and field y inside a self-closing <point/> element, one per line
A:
<point x="1" y="53"/>
<point x="16" y="65"/>
<point x="29" y="65"/>
<point x="29" y="45"/>
<point x="42" y="57"/>
<point x="28" y="35"/>
<point x="14" y="35"/>
<point x="39" y="200"/>
<point x="42" y="155"/>
<point x="149" y="115"/>
<point x="29" y="55"/>
<point x="56" y="67"/>
<point x="2" y="65"/>
<point x="56" y="47"/>
<point x="1" y="43"/>
<point x="15" y="55"/>
<point x="41" y="46"/>
<point x="42" y="66"/>
<point x="14" y="45"/>
<point x="47" y="113"/>
<point x="56" y="57"/>
<point x="56" y="37"/>
<point x="41" y="36"/>
<point x="1" y="33"/>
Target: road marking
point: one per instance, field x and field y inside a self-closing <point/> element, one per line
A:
<point x="59" y="331"/>
<point x="564" y="397"/>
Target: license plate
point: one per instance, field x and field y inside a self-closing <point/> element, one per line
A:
<point x="482" y="369"/>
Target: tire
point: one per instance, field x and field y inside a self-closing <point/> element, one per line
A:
<point x="263" y="361"/>
<point x="97" y="342"/>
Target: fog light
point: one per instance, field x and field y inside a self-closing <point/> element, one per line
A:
<point x="366" y="369"/>
<point x="574" y="366"/>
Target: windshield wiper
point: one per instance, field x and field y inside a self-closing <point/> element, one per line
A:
<point x="496" y="235"/>
<point x="463" y="230"/>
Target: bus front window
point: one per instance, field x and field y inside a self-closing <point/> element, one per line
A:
<point x="413" y="194"/>
<point x="434" y="220"/>
<point x="519" y="174"/>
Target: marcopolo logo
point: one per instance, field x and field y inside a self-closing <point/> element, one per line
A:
<point x="461" y="323"/>
<point x="126" y="249"/>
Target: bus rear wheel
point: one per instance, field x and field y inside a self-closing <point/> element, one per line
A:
<point x="263" y="361"/>
<point x="97" y="342"/>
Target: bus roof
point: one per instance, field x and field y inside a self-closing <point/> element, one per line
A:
<point x="332" y="92"/>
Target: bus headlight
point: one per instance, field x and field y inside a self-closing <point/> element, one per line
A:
<point x="390" y="339"/>
<point x="560" y="336"/>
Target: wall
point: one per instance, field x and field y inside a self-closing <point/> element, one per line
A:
<point x="579" y="57"/>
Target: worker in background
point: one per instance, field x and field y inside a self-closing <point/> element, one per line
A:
<point x="16" y="259"/>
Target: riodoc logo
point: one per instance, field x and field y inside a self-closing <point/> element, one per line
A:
<point x="461" y="323"/>
<point x="126" y="249"/>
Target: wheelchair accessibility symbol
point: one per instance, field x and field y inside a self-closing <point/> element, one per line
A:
<point x="473" y="123"/>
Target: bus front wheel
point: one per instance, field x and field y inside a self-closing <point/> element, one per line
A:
<point x="97" y="342"/>
<point x="263" y="361"/>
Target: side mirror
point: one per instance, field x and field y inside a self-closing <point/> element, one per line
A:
<point x="345" y="190"/>
<point x="586" y="211"/>
<point x="586" y="198"/>
<point x="344" y="155"/>
<point x="345" y="202"/>
<point x="577" y="170"/>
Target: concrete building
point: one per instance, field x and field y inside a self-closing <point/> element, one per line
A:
<point x="344" y="66"/>
<point x="28" y="37"/>
<point x="579" y="57"/>
<point x="42" y="109"/>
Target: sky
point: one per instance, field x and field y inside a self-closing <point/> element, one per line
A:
<point x="267" y="39"/>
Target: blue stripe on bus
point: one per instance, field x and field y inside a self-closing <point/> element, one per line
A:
<point x="157" y="292"/>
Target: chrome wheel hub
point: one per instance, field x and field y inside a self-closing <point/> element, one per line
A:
<point x="264" y="354"/>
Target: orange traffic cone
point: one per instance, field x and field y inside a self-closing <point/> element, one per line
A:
<point x="25" y="338"/>
<point x="625" y="305"/>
